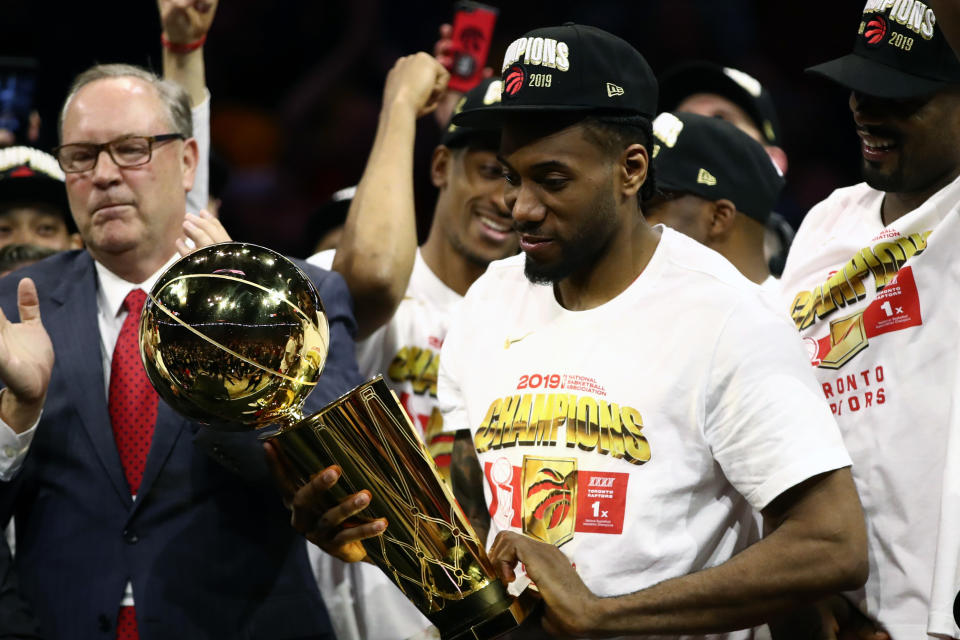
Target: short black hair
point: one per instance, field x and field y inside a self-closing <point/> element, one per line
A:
<point x="613" y="133"/>
<point x="476" y="139"/>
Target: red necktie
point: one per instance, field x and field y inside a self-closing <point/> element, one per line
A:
<point x="127" y="624"/>
<point x="132" y="400"/>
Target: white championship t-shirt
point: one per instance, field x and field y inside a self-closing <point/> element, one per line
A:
<point x="879" y="310"/>
<point x="637" y="435"/>
<point x="363" y="602"/>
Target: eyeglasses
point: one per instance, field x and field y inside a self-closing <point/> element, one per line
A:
<point x="128" y="151"/>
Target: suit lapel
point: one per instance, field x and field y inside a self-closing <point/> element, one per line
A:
<point x="165" y="435"/>
<point x="76" y="339"/>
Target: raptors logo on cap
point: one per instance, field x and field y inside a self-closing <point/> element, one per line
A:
<point x="875" y="30"/>
<point x="513" y="80"/>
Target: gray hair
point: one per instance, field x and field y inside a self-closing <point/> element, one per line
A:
<point x="173" y="96"/>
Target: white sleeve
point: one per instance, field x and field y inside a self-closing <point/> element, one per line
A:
<point x="371" y="357"/>
<point x="324" y="259"/>
<point x="199" y="195"/>
<point x="449" y="397"/>
<point x="766" y="420"/>
<point x="13" y="449"/>
<point x="946" y="566"/>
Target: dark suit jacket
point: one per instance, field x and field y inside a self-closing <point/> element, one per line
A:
<point x="207" y="544"/>
<point x="17" y="621"/>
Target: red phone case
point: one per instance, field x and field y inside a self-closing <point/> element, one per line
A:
<point x="473" y="24"/>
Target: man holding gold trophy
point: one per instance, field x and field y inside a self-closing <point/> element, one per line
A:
<point x="630" y="395"/>
<point x="632" y="453"/>
<point x="132" y="521"/>
<point x="233" y="336"/>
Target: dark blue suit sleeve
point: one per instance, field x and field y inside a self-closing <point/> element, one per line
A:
<point x="341" y="372"/>
<point x="16" y="619"/>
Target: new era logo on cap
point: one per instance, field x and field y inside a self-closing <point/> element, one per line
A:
<point x="614" y="90"/>
<point x="705" y="177"/>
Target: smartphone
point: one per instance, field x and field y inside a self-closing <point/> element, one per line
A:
<point x="472" y="32"/>
<point x="18" y="83"/>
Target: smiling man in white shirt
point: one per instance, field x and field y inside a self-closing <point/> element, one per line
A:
<point x="629" y="394"/>
<point x="872" y="286"/>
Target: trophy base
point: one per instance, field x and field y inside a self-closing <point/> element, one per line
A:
<point x="484" y="615"/>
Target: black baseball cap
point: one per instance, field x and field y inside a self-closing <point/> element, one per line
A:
<point x="568" y="69"/>
<point x="480" y="97"/>
<point x="899" y="53"/>
<point x="30" y="175"/>
<point x="700" y="76"/>
<point x="713" y="159"/>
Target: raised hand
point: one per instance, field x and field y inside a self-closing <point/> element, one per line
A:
<point x="444" y="54"/>
<point x="418" y="80"/>
<point x="443" y="47"/>
<point x="186" y="21"/>
<point x="202" y="229"/>
<point x="26" y="361"/>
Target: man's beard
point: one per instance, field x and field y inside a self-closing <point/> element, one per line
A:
<point x="893" y="181"/>
<point x="580" y="252"/>
<point x="887" y="182"/>
<point x="925" y="173"/>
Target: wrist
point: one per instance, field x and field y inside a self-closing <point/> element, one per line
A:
<point x="400" y="106"/>
<point x="597" y="614"/>
<point x="182" y="47"/>
<point x="18" y="414"/>
<point x="397" y="115"/>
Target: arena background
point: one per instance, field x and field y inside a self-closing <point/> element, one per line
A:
<point x="296" y="83"/>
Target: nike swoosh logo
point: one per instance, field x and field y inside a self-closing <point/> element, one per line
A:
<point x="508" y="341"/>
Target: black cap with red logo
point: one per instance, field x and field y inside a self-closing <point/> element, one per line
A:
<point x="571" y="68"/>
<point x="28" y="175"/>
<point x="899" y="53"/>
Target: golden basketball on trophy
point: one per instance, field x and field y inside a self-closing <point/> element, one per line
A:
<point x="235" y="336"/>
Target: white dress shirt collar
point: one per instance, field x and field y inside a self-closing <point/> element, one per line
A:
<point x="112" y="290"/>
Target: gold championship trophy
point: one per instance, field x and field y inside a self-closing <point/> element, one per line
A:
<point x="235" y="334"/>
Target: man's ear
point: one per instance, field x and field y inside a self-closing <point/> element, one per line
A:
<point x="75" y="241"/>
<point x="724" y="214"/>
<point x="779" y="157"/>
<point x="440" y="166"/>
<point x="634" y="164"/>
<point x="189" y="160"/>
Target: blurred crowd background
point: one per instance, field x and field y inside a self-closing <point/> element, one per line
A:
<point x="296" y="84"/>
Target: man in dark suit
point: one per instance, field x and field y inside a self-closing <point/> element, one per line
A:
<point x="174" y="525"/>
